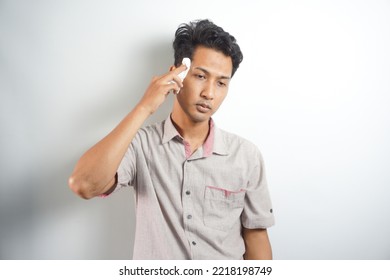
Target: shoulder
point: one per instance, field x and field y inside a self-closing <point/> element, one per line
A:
<point x="239" y="144"/>
<point x="149" y="134"/>
<point x="152" y="129"/>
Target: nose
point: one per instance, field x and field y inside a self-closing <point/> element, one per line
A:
<point x="208" y="91"/>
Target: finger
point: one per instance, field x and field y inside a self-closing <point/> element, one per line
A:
<point x="172" y="76"/>
<point x="177" y="80"/>
<point x="179" y="69"/>
<point x="171" y="87"/>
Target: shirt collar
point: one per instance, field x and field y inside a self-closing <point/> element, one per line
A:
<point x="170" y="131"/>
<point x="214" y="142"/>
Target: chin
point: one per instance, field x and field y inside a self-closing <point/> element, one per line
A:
<point x="198" y="117"/>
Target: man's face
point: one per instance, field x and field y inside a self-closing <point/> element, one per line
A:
<point x="206" y="84"/>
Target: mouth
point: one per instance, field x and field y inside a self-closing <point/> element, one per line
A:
<point x="203" y="107"/>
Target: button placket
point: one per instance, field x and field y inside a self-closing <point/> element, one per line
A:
<point x="187" y="199"/>
<point x="188" y="209"/>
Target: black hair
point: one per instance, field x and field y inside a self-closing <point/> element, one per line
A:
<point x="205" y="33"/>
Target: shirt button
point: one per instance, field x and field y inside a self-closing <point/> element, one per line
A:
<point x="193" y="243"/>
<point x="189" y="217"/>
<point x="188" y="192"/>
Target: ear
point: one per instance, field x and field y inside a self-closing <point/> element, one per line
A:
<point x="173" y="67"/>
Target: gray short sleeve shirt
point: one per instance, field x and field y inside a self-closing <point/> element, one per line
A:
<point x="193" y="206"/>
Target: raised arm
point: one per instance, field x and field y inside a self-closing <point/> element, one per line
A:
<point x="95" y="172"/>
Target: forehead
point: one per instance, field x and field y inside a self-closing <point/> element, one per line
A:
<point x="215" y="62"/>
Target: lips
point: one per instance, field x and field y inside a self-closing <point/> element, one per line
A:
<point x="203" y="107"/>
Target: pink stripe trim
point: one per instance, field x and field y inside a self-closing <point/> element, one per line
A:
<point x="209" y="143"/>
<point x="227" y="192"/>
<point x="187" y="148"/>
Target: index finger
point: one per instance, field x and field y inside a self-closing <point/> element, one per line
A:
<point x="180" y="69"/>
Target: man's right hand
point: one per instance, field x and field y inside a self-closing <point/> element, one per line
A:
<point x="160" y="87"/>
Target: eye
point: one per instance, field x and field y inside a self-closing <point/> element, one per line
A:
<point x="221" y="84"/>
<point x="200" y="76"/>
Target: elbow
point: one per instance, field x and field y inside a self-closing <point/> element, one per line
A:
<point x="79" y="187"/>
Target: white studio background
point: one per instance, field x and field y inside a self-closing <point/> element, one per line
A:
<point x="313" y="92"/>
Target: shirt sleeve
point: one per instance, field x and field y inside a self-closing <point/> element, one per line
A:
<point x="126" y="172"/>
<point x="127" y="169"/>
<point x="257" y="211"/>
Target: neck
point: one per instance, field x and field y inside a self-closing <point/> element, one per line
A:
<point x="189" y="130"/>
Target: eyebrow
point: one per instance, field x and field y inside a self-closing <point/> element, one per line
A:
<point x="208" y="72"/>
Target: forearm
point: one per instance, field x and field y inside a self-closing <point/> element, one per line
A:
<point x="95" y="171"/>
<point x="257" y="244"/>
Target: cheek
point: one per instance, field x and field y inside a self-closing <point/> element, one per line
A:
<point x="192" y="85"/>
<point x="186" y="94"/>
<point x="221" y="97"/>
<point x="220" y="100"/>
<point x="184" y="98"/>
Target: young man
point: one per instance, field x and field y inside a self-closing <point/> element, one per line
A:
<point x="201" y="192"/>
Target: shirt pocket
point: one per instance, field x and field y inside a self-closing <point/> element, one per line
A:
<point x="222" y="207"/>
